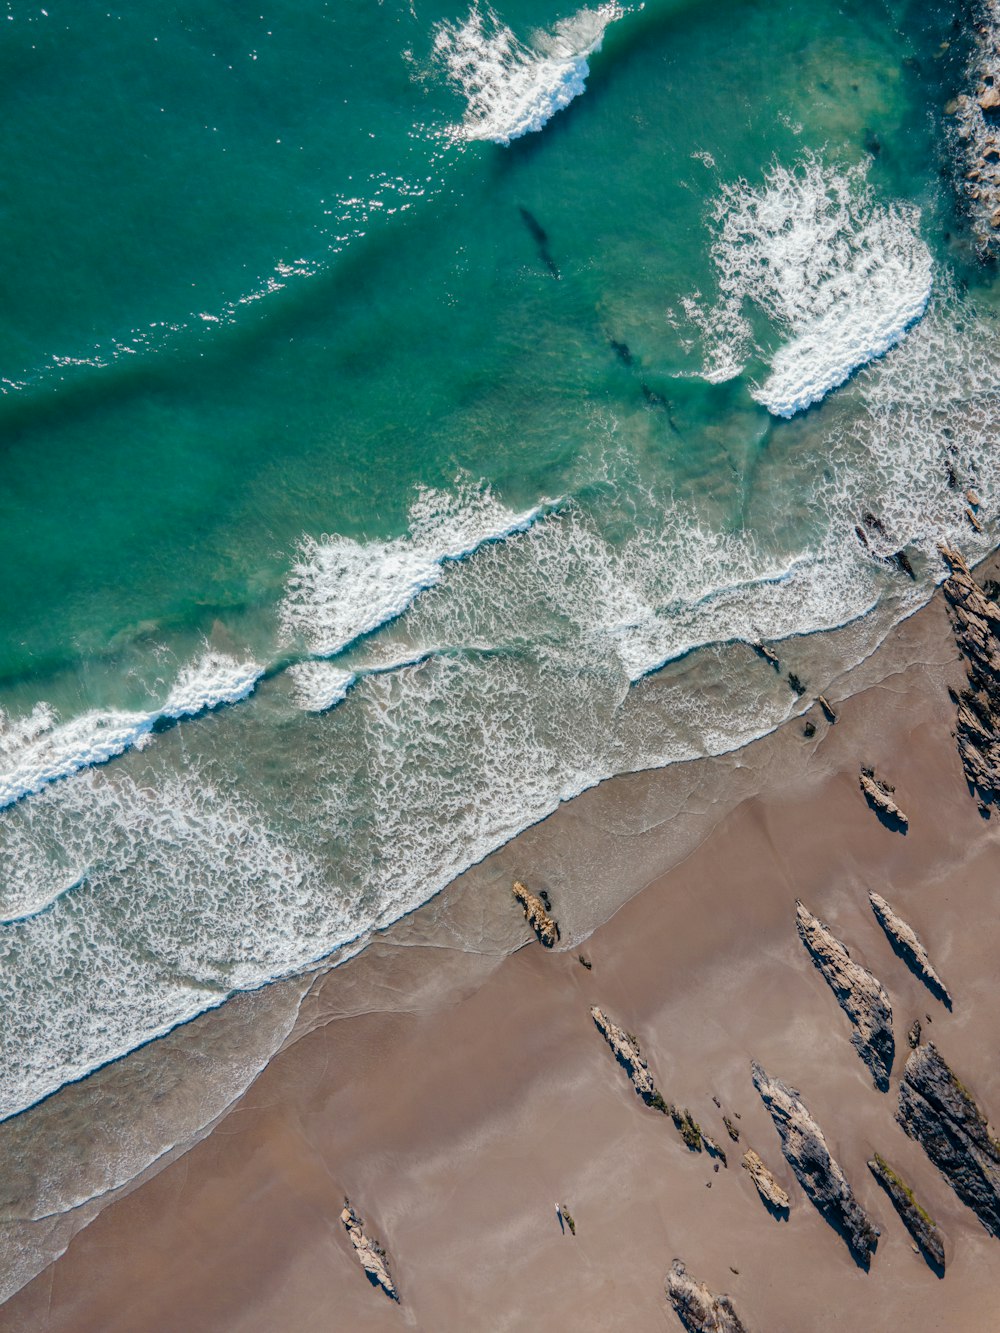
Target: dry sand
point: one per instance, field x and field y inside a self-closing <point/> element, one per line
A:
<point x="455" y="1125"/>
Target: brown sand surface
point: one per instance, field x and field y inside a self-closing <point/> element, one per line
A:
<point x="455" y="1125"/>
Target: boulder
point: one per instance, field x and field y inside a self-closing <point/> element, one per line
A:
<point x="879" y="797"/>
<point x="767" y="1187"/>
<point x="861" y="995"/>
<point x="696" y="1307"/>
<point x="536" y="916"/>
<point x="821" y="1177"/>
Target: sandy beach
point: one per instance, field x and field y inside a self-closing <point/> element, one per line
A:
<point x="455" y="1095"/>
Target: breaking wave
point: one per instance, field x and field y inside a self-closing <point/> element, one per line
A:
<point x="341" y="589"/>
<point x="840" y="276"/>
<point x="512" y="88"/>
<point x="39" y="749"/>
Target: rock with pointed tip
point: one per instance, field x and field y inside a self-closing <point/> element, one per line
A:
<point x="628" y="1055"/>
<point x="916" y="1219"/>
<point x="816" y="1170"/>
<point x="908" y="942"/>
<point x="370" y="1255"/>
<point x="879" y="797"/>
<point x="861" y="995"/>
<point x="767" y="1187"/>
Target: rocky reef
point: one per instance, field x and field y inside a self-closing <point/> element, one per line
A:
<point x="977" y="125"/>
<point x="879" y="796"/>
<point x="976" y="622"/>
<point x="905" y="940"/>
<point x="536" y="915"/>
<point x="821" y="1177"/>
<point x="941" y="1114"/>
<point x="370" y="1255"/>
<point x="767" y="1187"/>
<point x="917" y="1220"/>
<point x="698" y="1310"/>
<point x="861" y="996"/>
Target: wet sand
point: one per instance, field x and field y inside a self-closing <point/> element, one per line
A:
<point x="456" y="1095"/>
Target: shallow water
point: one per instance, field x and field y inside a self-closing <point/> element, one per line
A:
<point x="387" y="457"/>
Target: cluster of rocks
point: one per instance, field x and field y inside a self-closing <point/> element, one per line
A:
<point x="861" y="996"/>
<point x="976" y="622"/>
<point x="816" y="1170"/>
<point x="370" y="1255"/>
<point x="977" y="121"/>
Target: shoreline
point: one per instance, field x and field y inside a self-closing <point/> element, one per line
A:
<point x="390" y="1006"/>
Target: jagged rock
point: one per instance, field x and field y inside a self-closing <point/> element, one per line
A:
<point x="371" y="1256"/>
<point x="917" y="1220"/>
<point x="731" y="1129"/>
<point x="817" y="1172"/>
<point x="698" y="1310"/>
<point x="627" y="1053"/>
<point x="767" y="1187"/>
<point x="942" y="1115"/>
<point x="974" y="522"/>
<point x="975" y="620"/>
<point x="908" y="943"/>
<point x="537" y="917"/>
<point x="860" y="995"/>
<point x="827" y="708"/>
<point x="879" y="797"/>
<point x="976" y="121"/>
<point x="913" y="1036"/>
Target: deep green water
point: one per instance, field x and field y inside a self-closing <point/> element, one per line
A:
<point x="258" y="289"/>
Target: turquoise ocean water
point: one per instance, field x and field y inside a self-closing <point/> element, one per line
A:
<point x="409" y="414"/>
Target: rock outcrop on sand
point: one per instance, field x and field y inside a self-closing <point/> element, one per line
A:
<point x="942" y="1115"/>
<point x="977" y="117"/>
<point x="370" y="1255"/>
<point x="767" y="1187"/>
<point x="625" y="1046"/>
<point x="976" y="622"/>
<point x="879" y="796"/>
<point x="917" y="1220"/>
<point x="536" y="916"/>
<point x="698" y="1310"/>
<point x="860" y="995"/>
<point x="821" y="1177"/>
<point x="907" y="943"/>
<point x="627" y="1053"/>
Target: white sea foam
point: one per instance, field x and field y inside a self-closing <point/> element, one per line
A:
<point x="839" y="275"/>
<point x="214" y="680"/>
<point x="341" y="589"/>
<point x="513" y="88"/>
<point x="319" y="686"/>
<point x="39" y="749"/>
